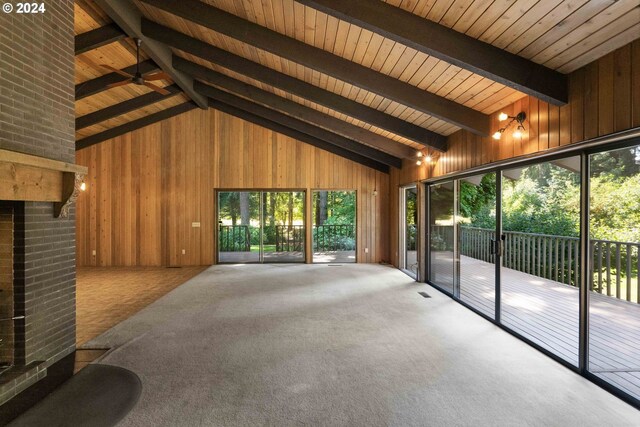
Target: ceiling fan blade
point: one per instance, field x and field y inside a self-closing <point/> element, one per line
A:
<point x="157" y="88"/>
<point x="156" y="76"/>
<point x="115" y="70"/>
<point x="122" y="83"/>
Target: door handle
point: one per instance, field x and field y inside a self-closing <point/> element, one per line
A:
<point x="497" y="246"/>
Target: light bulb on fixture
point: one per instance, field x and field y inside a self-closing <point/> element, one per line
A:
<point x="497" y="135"/>
<point x="428" y="159"/>
<point x="503" y="116"/>
<point x="518" y="132"/>
<point x="418" y="162"/>
<point x="419" y="154"/>
<point x="83" y="186"/>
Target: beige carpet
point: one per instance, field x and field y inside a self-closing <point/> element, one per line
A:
<point x="354" y="345"/>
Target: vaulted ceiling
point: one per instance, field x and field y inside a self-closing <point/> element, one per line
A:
<point x="380" y="79"/>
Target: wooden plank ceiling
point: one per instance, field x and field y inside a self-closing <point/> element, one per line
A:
<point x="560" y="35"/>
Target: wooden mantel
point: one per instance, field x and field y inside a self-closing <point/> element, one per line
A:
<point x="24" y="177"/>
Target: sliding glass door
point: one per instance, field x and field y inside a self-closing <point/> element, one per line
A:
<point x="261" y="226"/>
<point x="443" y="270"/>
<point x="409" y="230"/>
<point x="476" y="232"/>
<point x="239" y="225"/>
<point x="540" y="286"/>
<point x="334" y="226"/>
<point x="509" y="244"/>
<point x="614" y="297"/>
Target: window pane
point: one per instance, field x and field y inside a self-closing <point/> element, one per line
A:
<point x="476" y="222"/>
<point x="334" y="226"/>
<point x="614" y="313"/>
<point x="411" y="230"/>
<point x="539" y="275"/>
<point x="441" y="239"/>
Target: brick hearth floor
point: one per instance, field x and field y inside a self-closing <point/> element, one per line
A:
<point x="106" y="296"/>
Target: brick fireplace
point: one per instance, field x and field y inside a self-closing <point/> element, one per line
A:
<point x="37" y="153"/>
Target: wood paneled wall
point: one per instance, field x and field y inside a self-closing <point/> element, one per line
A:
<point x="146" y="188"/>
<point x="604" y="97"/>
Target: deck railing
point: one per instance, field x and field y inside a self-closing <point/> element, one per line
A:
<point x="334" y="237"/>
<point x="289" y="238"/>
<point x="615" y="265"/>
<point x="234" y="238"/>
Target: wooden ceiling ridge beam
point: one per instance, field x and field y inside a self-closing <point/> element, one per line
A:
<point x="289" y="84"/>
<point x="291" y="122"/>
<point x="299" y="111"/>
<point x="450" y="46"/>
<point x="99" y="37"/>
<point x="325" y="62"/>
<point x="127" y="16"/>
<point x="97" y="85"/>
<point x="300" y="136"/>
<point x="135" y="124"/>
<point x="125" y="107"/>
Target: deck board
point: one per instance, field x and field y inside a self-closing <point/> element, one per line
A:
<point x="546" y="312"/>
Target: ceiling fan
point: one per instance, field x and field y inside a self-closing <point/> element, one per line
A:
<point x="139" y="78"/>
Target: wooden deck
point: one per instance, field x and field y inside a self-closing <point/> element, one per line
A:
<point x="546" y="312"/>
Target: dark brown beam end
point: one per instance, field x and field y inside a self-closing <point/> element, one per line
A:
<point x="326" y="62"/>
<point x="289" y="84"/>
<point x="451" y="46"/>
<point x="300" y="136"/>
<point x="299" y="125"/>
<point x="125" y="107"/>
<point x="134" y="125"/>
<point x="97" y="85"/>
<point x="99" y="37"/>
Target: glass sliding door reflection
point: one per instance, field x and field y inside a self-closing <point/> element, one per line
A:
<point x="238" y="226"/>
<point x="410" y="207"/>
<point x="476" y="221"/>
<point x="334" y="226"/>
<point x="540" y="263"/>
<point x="442" y="235"/>
<point x="614" y="297"/>
<point x="283" y="226"/>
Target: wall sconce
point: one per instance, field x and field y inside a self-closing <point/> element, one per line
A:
<point x="83" y="186"/>
<point x="519" y="118"/>
<point x="422" y="158"/>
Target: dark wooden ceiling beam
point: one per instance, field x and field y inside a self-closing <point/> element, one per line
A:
<point x="124" y="107"/>
<point x="326" y="62"/>
<point x="99" y="37"/>
<point x="134" y="125"/>
<point x="300" y="111"/>
<point x="97" y="85"/>
<point x="127" y="15"/>
<point x="289" y="84"/>
<point x="339" y="141"/>
<point x="450" y="46"/>
<point x="300" y="136"/>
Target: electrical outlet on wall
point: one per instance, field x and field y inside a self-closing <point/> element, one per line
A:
<point x="184" y="252"/>
<point x="93" y="252"/>
<point x="366" y="250"/>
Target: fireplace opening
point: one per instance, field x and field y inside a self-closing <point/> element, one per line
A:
<point x="7" y="332"/>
